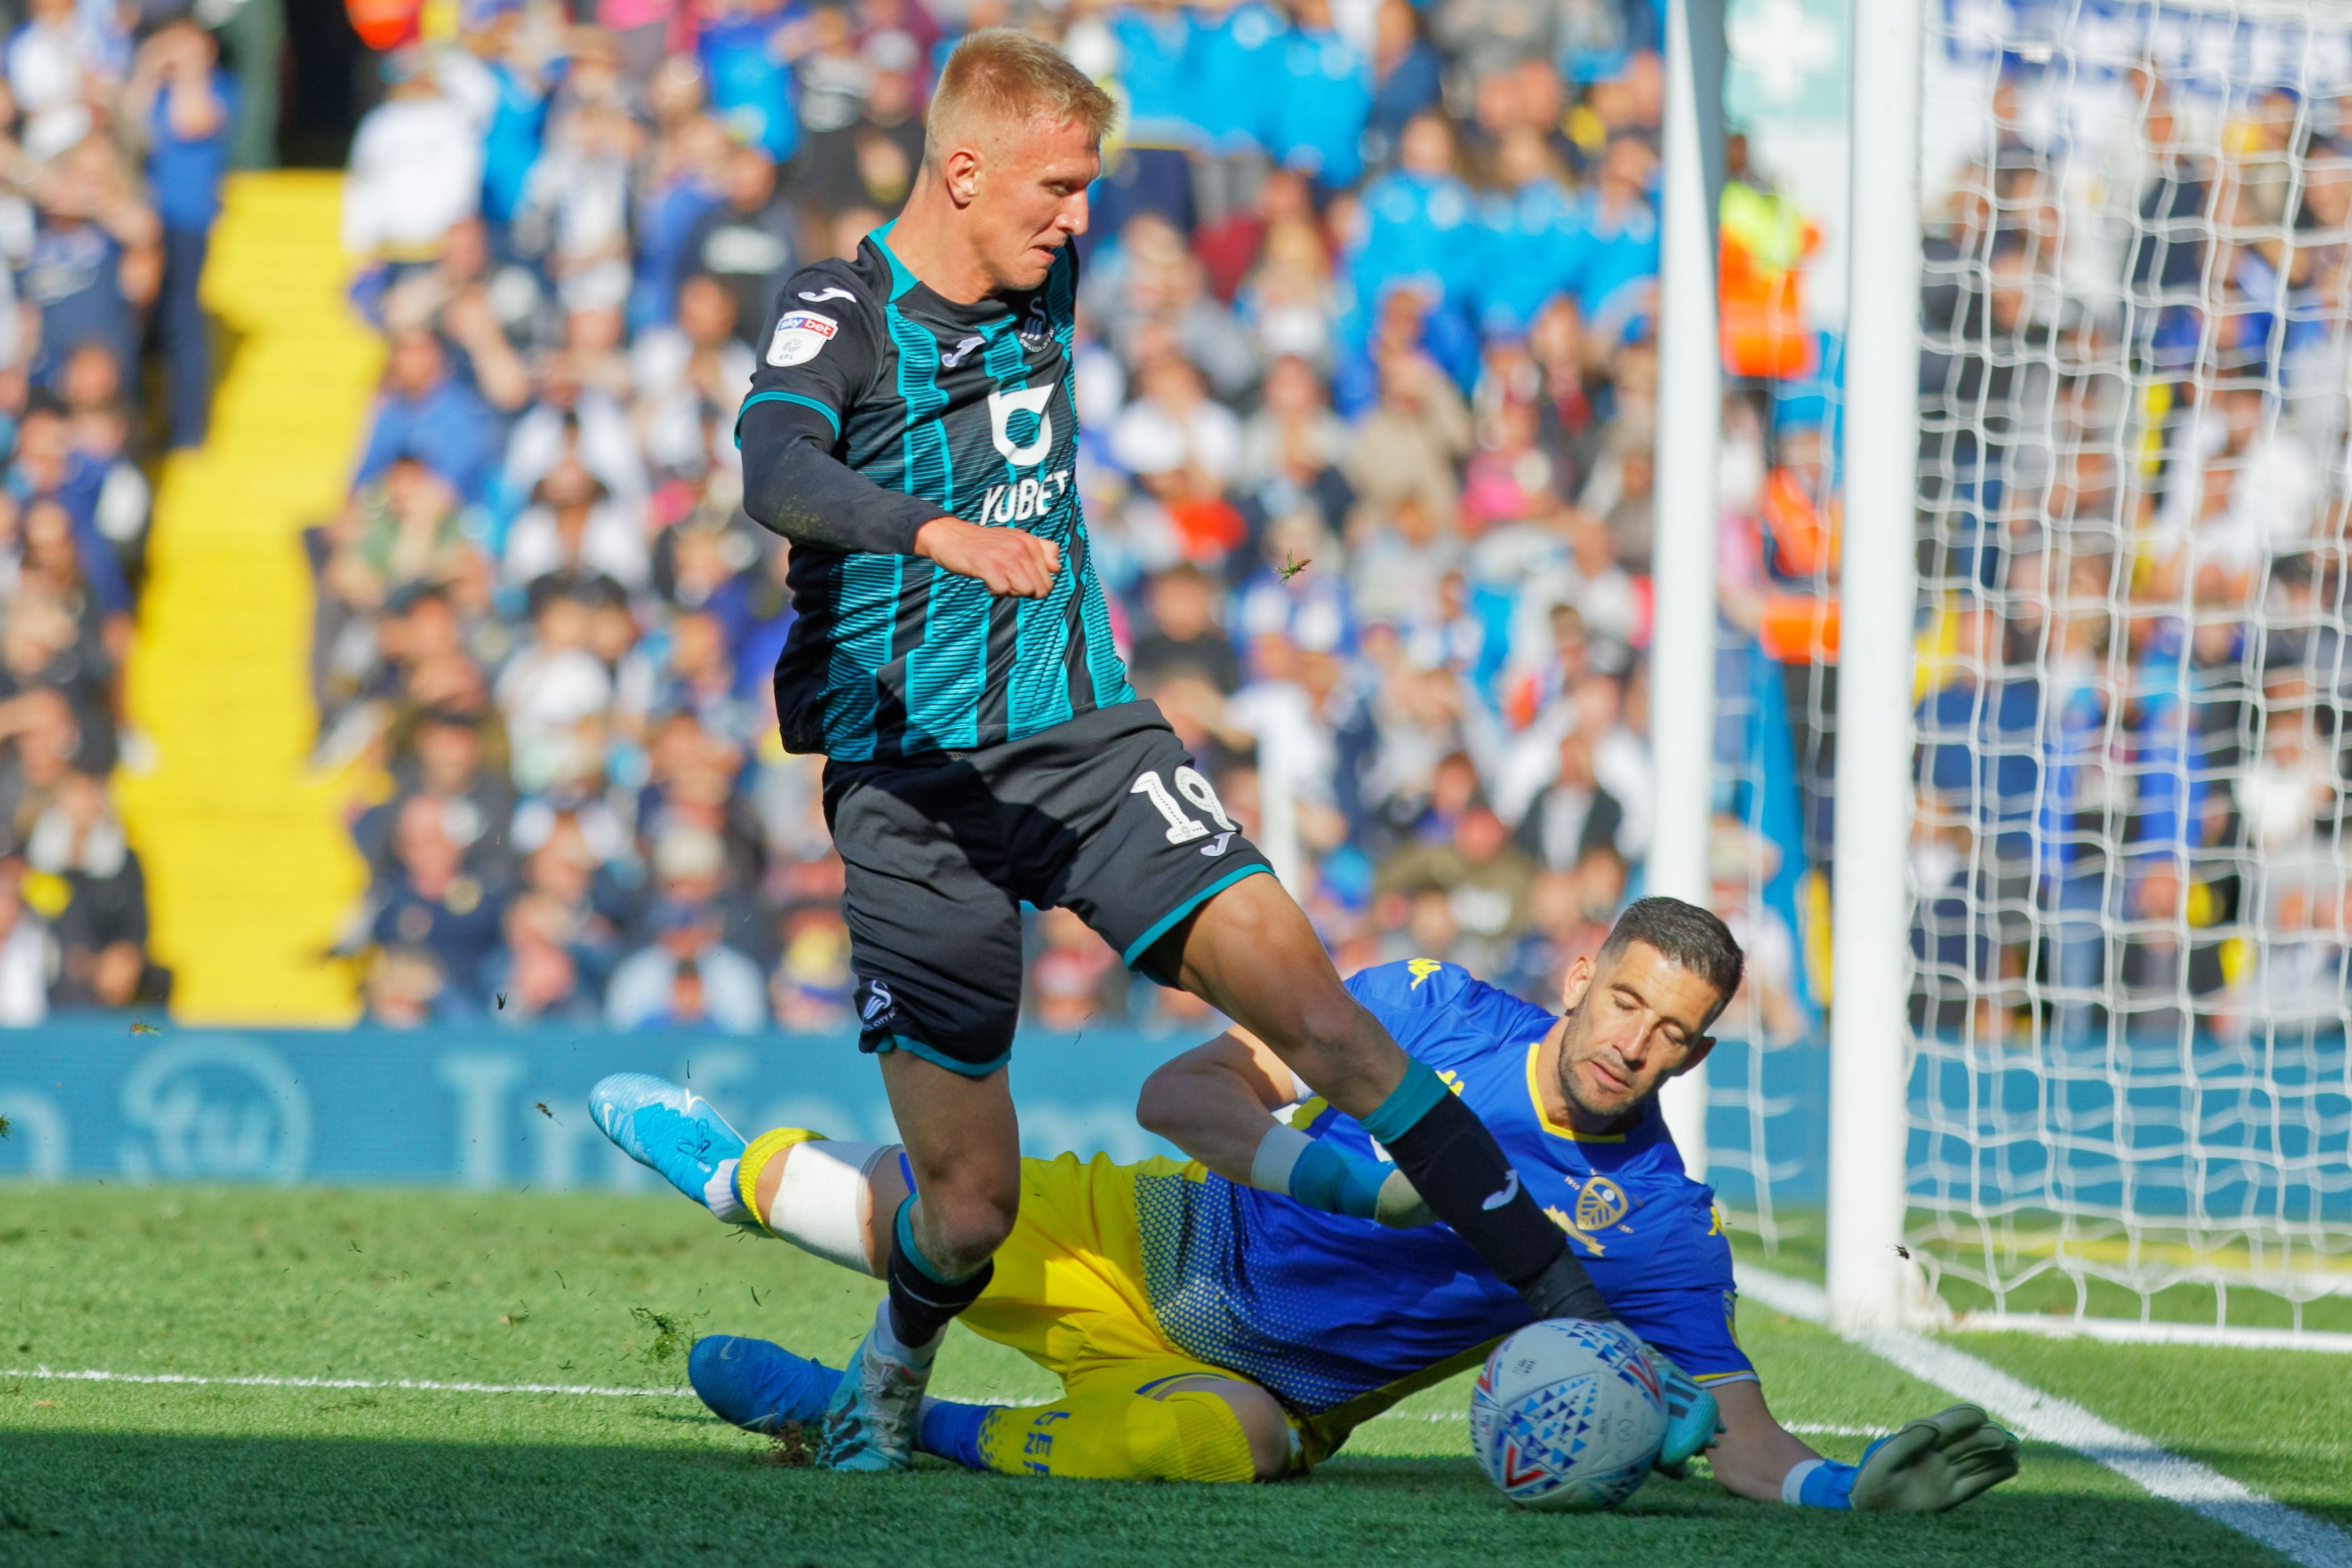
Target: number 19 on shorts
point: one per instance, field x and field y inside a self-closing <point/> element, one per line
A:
<point x="1183" y="827"/>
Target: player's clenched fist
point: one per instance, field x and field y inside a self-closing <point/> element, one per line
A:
<point x="1008" y="560"/>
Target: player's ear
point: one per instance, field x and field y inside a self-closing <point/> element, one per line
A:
<point x="962" y="167"/>
<point x="1579" y="981"/>
<point x="1698" y="1053"/>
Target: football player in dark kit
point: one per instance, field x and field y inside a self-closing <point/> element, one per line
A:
<point x="911" y="431"/>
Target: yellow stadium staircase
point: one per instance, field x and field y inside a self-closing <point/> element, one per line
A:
<point x="249" y="868"/>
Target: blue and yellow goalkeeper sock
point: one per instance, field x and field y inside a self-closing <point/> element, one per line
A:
<point x="1116" y="1434"/>
<point x="950" y="1431"/>
<point x="1821" y="1483"/>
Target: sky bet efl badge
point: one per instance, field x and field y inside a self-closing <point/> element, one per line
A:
<point x="799" y="336"/>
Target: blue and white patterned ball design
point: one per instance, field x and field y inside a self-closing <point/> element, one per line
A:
<point x="1568" y="1414"/>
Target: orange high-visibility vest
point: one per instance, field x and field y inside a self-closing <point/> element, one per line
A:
<point x="383" y="24"/>
<point x="1761" y="299"/>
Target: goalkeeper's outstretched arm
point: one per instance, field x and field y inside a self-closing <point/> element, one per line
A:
<point x="1929" y="1465"/>
<point x="1217" y="1102"/>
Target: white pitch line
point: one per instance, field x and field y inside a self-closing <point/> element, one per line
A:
<point x="2328" y="1341"/>
<point x="2030" y="1413"/>
<point x="432" y="1386"/>
<point x="421" y="1384"/>
<point x="411" y="1384"/>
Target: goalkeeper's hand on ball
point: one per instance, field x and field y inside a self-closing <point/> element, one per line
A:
<point x="1935" y="1463"/>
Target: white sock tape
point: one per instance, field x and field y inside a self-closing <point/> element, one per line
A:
<point x="820" y="1203"/>
<point x="1792" y="1485"/>
<point x="1277" y="1156"/>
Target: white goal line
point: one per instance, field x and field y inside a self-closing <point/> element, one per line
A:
<point x="602" y="1391"/>
<point x="2123" y="1331"/>
<point x="2044" y="1418"/>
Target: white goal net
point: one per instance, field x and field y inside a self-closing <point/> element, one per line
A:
<point x="2132" y="864"/>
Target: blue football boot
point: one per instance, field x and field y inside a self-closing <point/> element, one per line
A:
<point x="673" y="1129"/>
<point x="759" y="1386"/>
<point x="1692" y="1417"/>
<point x="874" y="1414"/>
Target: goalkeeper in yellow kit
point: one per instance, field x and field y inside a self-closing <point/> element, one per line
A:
<point x="1235" y="1317"/>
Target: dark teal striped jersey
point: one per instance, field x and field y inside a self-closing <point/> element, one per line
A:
<point x="948" y="409"/>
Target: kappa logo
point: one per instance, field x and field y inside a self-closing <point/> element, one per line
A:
<point x="1032" y="401"/>
<point x="958" y="355"/>
<point x="822" y="295"/>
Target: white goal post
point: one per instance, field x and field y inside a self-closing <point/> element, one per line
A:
<point x="1878" y="594"/>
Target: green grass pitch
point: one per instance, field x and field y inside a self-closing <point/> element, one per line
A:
<point x="605" y="1290"/>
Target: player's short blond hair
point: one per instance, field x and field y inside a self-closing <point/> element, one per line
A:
<point x="1001" y="77"/>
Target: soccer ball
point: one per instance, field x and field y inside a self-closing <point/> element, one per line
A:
<point x="1568" y="1414"/>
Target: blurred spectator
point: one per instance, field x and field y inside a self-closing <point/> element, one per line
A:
<point x="813" y="981"/>
<point x="78" y="848"/>
<point x="750" y="240"/>
<point x="94" y="257"/>
<point x="690" y="377"/>
<point x="1574" y="816"/>
<point x="1483" y="879"/>
<point x="183" y="98"/>
<point x="426" y="413"/>
<point x="1407" y="73"/>
<point x="416" y="166"/>
<point x="28" y="955"/>
<point x="686" y="976"/>
<point x="444" y="920"/>
<point x="573" y="532"/>
<point x="1369" y="378"/>
<point x="1184" y="635"/>
<point x="58" y="65"/>
<point x="1070" y="976"/>
<point x="540" y="977"/>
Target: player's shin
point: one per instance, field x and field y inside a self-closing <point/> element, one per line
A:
<point x="812" y="1192"/>
<point x="1454" y="1161"/>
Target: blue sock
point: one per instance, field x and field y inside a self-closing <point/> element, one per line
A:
<point x="951" y="1431"/>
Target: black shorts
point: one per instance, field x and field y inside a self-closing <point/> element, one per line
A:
<point x="1104" y="816"/>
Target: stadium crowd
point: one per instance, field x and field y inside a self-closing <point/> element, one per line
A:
<point x="2133" y="808"/>
<point x="114" y="128"/>
<point x="1369" y="379"/>
<point x="1368" y="389"/>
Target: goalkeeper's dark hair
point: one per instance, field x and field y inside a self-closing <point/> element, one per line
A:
<point x="1685" y="935"/>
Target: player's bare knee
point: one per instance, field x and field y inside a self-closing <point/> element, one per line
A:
<point x="1266" y="1425"/>
<point x="966" y="1221"/>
